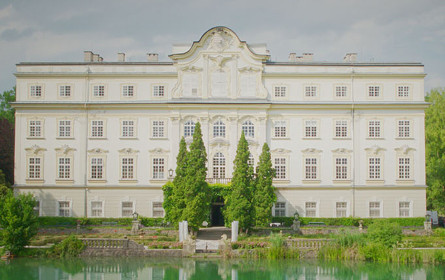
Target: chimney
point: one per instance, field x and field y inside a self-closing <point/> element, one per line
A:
<point x="95" y="57"/>
<point x="152" y="57"/>
<point x="292" y="57"/>
<point x="87" y="56"/>
<point x="308" y="57"/>
<point x="121" y="57"/>
<point x="350" y="57"/>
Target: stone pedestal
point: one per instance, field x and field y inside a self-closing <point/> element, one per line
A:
<point x="235" y="229"/>
<point x="135" y="227"/>
<point x="188" y="247"/>
<point x="78" y="227"/>
<point x="428" y="227"/>
<point x="296" y="226"/>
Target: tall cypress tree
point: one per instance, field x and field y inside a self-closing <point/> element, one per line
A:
<point x="196" y="189"/>
<point x="239" y="205"/>
<point x="264" y="194"/>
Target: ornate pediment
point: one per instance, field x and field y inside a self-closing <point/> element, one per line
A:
<point x="97" y="151"/>
<point x="342" y="151"/>
<point x="404" y="150"/>
<point x="158" y="151"/>
<point x="65" y="150"/>
<point x="374" y="150"/>
<point x="280" y="151"/>
<point x="191" y="68"/>
<point x="311" y="151"/>
<point x="219" y="142"/>
<point x="35" y="150"/>
<point x="128" y="151"/>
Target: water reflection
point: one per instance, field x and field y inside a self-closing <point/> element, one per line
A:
<point x="188" y="269"/>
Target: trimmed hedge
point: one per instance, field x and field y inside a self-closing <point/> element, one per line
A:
<point x="72" y="221"/>
<point x="404" y="222"/>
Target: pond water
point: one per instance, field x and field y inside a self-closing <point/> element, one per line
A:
<point x="185" y="269"/>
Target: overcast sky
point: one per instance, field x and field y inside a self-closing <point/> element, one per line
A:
<point x="378" y="30"/>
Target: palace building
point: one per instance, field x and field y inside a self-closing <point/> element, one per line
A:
<point x="100" y="139"/>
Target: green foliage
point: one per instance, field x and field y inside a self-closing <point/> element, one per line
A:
<point x="384" y="232"/>
<point x="239" y="206"/>
<point x="404" y="222"/>
<point x="348" y="238"/>
<point x="18" y="220"/>
<point x="277" y="246"/>
<point x="70" y="247"/>
<point x="6" y="112"/>
<point x="169" y="203"/>
<point x="264" y="191"/>
<point x="435" y="150"/>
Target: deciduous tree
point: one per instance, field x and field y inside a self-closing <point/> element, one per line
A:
<point x="6" y="111"/>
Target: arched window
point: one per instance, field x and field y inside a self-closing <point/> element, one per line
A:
<point x="249" y="129"/>
<point x="219" y="166"/>
<point x="219" y="129"/>
<point x="189" y="128"/>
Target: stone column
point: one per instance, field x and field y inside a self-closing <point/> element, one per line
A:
<point x="181" y="232"/>
<point x="185" y="229"/>
<point x="235" y="227"/>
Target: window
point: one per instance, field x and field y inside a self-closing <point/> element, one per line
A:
<point x="340" y="91"/>
<point x="310" y="91"/>
<point x="374" y="129"/>
<point x="403" y="129"/>
<point x="158" y="129"/>
<point x="97" y="168"/>
<point x="280" y="129"/>
<point x="311" y="209"/>
<point x="158" y="91"/>
<point x="403" y="91"/>
<point x="280" y="168"/>
<point x="99" y="91"/>
<point x="341" y="209"/>
<point x="128" y="91"/>
<point x="219" y="166"/>
<point x="341" y="168"/>
<point x="374" y="91"/>
<point x="310" y="129"/>
<point x="189" y="129"/>
<point x="280" y="91"/>
<point x="341" y="129"/>
<point x="35" y="168"/>
<point x="64" y="208"/>
<point x="97" y="209"/>
<point x="251" y="161"/>
<point x="64" y="168"/>
<point x="65" y="128"/>
<point x="37" y="208"/>
<point x="97" y="128"/>
<point x="249" y="129"/>
<point x="310" y="168"/>
<point x="35" y="128"/>
<point x="65" y="91"/>
<point x="374" y="209"/>
<point x="127" y="168"/>
<point x="158" y="211"/>
<point x="35" y="91"/>
<point x="127" y="208"/>
<point x="158" y="168"/>
<point x="280" y="209"/>
<point x="374" y="168"/>
<point x="404" y="209"/>
<point x="219" y="129"/>
<point x="404" y="168"/>
<point x="128" y="128"/>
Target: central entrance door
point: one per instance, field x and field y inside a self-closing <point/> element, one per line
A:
<point x="217" y="215"/>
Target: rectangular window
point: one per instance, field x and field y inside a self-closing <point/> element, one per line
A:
<point x="37" y="208"/>
<point x="127" y="91"/>
<point x="311" y="209"/>
<point x="35" y="91"/>
<point x="97" y="168"/>
<point x="340" y="91"/>
<point x="158" y="128"/>
<point x="404" y="168"/>
<point x="374" y="209"/>
<point x="127" y="172"/>
<point x="97" y="128"/>
<point x="310" y="168"/>
<point x="99" y="91"/>
<point x="403" y="129"/>
<point x="64" y="128"/>
<point x="97" y="209"/>
<point x="65" y="91"/>
<point x="128" y="128"/>
<point x="64" y="209"/>
<point x="310" y="91"/>
<point x="64" y="170"/>
<point x="158" y="168"/>
<point x="280" y="209"/>
<point x="341" y="168"/>
<point x="158" y="91"/>
<point x="35" y="128"/>
<point x="374" y="168"/>
<point x="158" y="211"/>
<point x="374" y="91"/>
<point x="341" y="209"/>
<point x="341" y="129"/>
<point x="310" y="129"/>
<point x="280" y="91"/>
<point x="403" y="91"/>
<point x="404" y="209"/>
<point x="34" y="168"/>
<point x="374" y="129"/>
<point x="280" y="129"/>
<point x="127" y="208"/>
<point x="280" y="168"/>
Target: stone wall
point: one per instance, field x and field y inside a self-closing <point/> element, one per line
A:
<point x="169" y="253"/>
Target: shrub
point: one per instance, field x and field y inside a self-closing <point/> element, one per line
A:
<point x="404" y="222"/>
<point x="347" y="238"/>
<point x="385" y="233"/>
<point x="69" y="247"/>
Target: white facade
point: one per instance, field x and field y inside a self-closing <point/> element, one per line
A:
<point x="97" y="138"/>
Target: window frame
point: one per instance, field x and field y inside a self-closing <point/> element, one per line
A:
<point x="220" y="127"/>
<point x="157" y="207"/>
<point x="372" y="134"/>
<point x="401" y="135"/>
<point x="70" y="168"/>
<point x="248" y="126"/>
<point x="155" y="88"/>
<point x="103" y="158"/>
<point x="125" y="91"/>
<point x="96" y="91"/>
<point x="62" y="91"/>
<point x="163" y="165"/>
<point x="164" y="129"/>
<point x="219" y="165"/>
<point x="131" y="168"/>
<point x="40" y="166"/>
<point x="32" y="88"/>
<point x="311" y="91"/>
<point x="285" y="166"/>
<point x="104" y="130"/>
<point x="339" y="130"/>
<point x="369" y="165"/>
<point x="371" y="92"/>
<point x="70" y="207"/>
<point x="133" y="207"/>
<point x="41" y="127"/>
<point x="70" y="126"/>
<point x="410" y="208"/>
<point x="346" y="91"/>
<point x="189" y="127"/>
<point x="130" y="130"/>
<point x="279" y="134"/>
<point x="312" y="165"/>
<point x="316" y="208"/>
<point x="408" y="92"/>
<point x="282" y="91"/>
<point x="283" y="209"/>
<point x="346" y="209"/>
<point x="374" y="208"/>
<point x="102" y="208"/>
